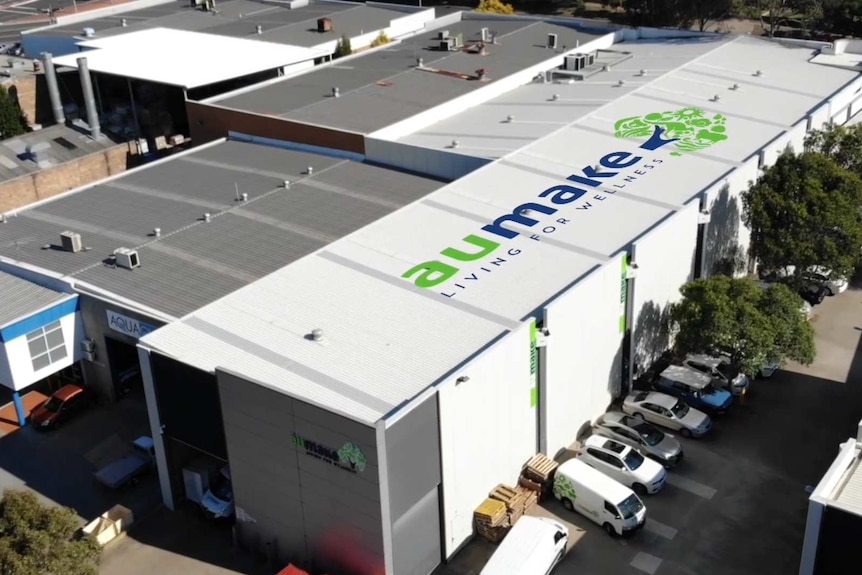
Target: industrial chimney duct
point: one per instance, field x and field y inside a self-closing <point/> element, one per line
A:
<point x="53" y="88"/>
<point x="89" y="99"/>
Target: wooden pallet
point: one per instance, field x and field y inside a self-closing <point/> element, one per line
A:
<point x="506" y="494"/>
<point x="492" y="534"/>
<point x="491" y="513"/>
<point x="540" y="468"/>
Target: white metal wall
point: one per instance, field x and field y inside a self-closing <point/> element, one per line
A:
<point x="438" y="163"/>
<point x="16" y="367"/>
<point x="725" y="235"/>
<point x="487" y="430"/>
<point x="582" y="363"/>
<point x="665" y="259"/>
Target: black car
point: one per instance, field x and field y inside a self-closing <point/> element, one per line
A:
<point x="814" y="293"/>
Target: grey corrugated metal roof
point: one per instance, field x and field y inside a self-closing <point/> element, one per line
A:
<point x="193" y="262"/>
<point x="19" y="298"/>
<point x="238" y="18"/>
<point x="65" y="143"/>
<point x="365" y="105"/>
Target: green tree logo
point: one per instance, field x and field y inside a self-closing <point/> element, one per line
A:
<point x="692" y="129"/>
<point x="351" y="455"/>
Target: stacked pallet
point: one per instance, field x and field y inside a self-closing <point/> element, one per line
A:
<point x="538" y="474"/>
<point x="517" y="499"/>
<point x="492" y="520"/>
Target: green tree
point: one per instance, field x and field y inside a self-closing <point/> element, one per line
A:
<point x="843" y="17"/>
<point x="753" y="325"/>
<point x="659" y="13"/>
<point x="804" y="211"/>
<point x="841" y="143"/>
<point x="705" y="12"/>
<point x="495" y="7"/>
<point x="39" y="540"/>
<point x="343" y="47"/>
<point x="13" y="122"/>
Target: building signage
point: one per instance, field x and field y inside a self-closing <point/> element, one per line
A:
<point x="128" y="326"/>
<point x="685" y="130"/>
<point x="349" y="457"/>
<point x="534" y="365"/>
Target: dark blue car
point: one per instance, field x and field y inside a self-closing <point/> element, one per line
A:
<point x="694" y="388"/>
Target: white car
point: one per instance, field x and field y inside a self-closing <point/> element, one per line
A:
<point x="667" y="411"/>
<point x="820" y="275"/>
<point x="623" y="464"/>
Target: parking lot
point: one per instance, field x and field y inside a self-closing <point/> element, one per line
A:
<point x="58" y="465"/>
<point x="737" y="503"/>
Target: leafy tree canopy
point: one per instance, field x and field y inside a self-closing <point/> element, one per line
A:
<point x="495" y="7"/>
<point x="804" y="211"/>
<point x="343" y="47"/>
<point x="841" y="143"/>
<point x="39" y="540"/>
<point x="12" y="120"/>
<point x="753" y="325"/>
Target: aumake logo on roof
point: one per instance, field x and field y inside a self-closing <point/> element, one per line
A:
<point x="685" y="130"/>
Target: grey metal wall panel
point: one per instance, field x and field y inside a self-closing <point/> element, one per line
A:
<point x="300" y="501"/>
<point x="413" y="457"/>
<point x="416" y="537"/>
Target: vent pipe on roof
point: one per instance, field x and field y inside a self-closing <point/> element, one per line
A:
<point x="123" y="23"/>
<point x="89" y="99"/>
<point x="53" y="89"/>
<point x="207" y="217"/>
<point x="336" y="92"/>
<point x="258" y="29"/>
<point x="157" y="232"/>
<point x="309" y="170"/>
<point x="317" y="334"/>
<point x="510" y="118"/>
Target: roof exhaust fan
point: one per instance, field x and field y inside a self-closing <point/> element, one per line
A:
<point x="127" y="258"/>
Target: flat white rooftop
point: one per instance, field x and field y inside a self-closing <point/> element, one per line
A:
<point x="182" y="58"/>
<point x="672" y="73"/>
<point x="405" y="300"/>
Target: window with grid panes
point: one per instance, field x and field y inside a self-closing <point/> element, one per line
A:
<point x="47" y="345"/>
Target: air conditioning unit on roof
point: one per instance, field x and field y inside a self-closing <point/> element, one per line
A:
<point x="127" y="258"/>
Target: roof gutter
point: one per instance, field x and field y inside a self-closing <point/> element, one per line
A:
<point x="110" y="297"/>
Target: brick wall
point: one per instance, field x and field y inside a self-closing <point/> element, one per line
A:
<point x="208" y="122"/>
<point x="64" y="177"/>
<point x="32" y="95"/>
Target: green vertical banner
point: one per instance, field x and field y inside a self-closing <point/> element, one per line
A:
<point x="534" y="364"/>
<point x="624" y="289"/>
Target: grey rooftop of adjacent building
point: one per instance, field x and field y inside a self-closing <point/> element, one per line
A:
<point x="21" y="298"/>
<point x="240" y="18"/>
<point x="194" y="262"/>
<point x="48" y="147"/>
<point x="385" y="86"/>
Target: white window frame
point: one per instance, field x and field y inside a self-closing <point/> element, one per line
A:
<point x="41" y="340"/>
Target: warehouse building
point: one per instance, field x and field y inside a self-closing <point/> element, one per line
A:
<point x="373" y="391"/>
<point x="835" y="513"/>
<point x="372" y="349"/>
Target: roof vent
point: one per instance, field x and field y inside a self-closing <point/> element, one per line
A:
<point x="157" y="232"/>
<point x="606" y="68"/>
<point x="643" y="72"/>
<point x="510" y="118"/>
<point x="317" y="334"/>
<point x="455" y="143"/>
<point x="286" y="184"/>
<point x="3" y="219"/>
<point x="621" y="83"/>
<point x="758" y="73"/>
<point x="126" y="258"/>
<point x="552" y="41"/>
<point x="555" y="97"/>
<point x="735" y="87"/>
<point x="309" y="170"/>
<point x="258" y="29"/>
<point x="336" y="92"/>
<point x="88" y="32"/>
<point x="124" y="22"/>
<point x="716" y="98"/>
<point x="420" y="62"/>
<point x="484" y="34"/>
<point x="208" y="217"/>
<point x="324" y="25"/>
<point x="71" y="241"/>
<point x="244" y="197"/>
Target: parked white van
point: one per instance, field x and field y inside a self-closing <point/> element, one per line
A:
<point x="534" y="546"/>
<point x="595" y="495"/>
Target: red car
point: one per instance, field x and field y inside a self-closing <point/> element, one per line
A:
<point x="63" y="404"/>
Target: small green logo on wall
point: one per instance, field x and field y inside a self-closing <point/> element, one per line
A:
<point x="692" y="128"/>
<point x="349" y="457"/>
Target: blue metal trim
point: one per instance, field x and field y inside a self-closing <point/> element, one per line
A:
<point x="331" y="152"/>
<point x="19" y="409"/>
<point x="39" y="319"/>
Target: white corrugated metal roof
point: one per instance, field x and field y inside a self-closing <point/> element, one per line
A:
<point x="409" y="297"/>
<point x="20" y="298"/>
<point x="850" y="494"/>
<point x="183" y="58"/>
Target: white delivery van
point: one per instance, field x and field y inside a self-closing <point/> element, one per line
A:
<point x="595" y="495"/>
<point x="534" y="546"/>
